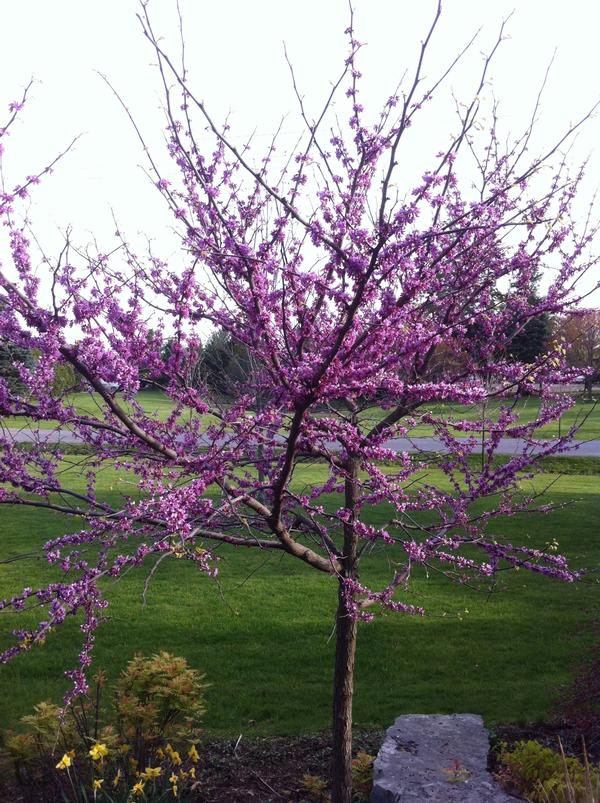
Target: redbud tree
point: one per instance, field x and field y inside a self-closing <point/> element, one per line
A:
<point x="350" y="292"/>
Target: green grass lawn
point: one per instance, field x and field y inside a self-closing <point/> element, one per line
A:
<point x="262" y="634"/>
<point x="583" y="414"/>
<point x="88" y="404"/>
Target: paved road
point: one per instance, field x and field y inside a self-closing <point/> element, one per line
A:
<point x="507" y="446"/>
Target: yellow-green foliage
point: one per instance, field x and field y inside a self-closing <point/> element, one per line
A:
<point x="362" y="775"/>
<point x="144" y="749"/>
<point x="65" y="379"/>
<point x="45" y="733"/>
<point x="543" y="775"/>
<point x="159" y="697"/>
<point x="315" y="787"/>
<point x="41" y="733"/>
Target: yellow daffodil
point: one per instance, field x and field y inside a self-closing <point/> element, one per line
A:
<point x="153" y="772"/>
<point x="174" y="790"/>
<point x="98" y="752"/>
<point x="193" y="753"/>
<point x="138" y="788"/>
<point x="192" y="772"/>
<point x="98" y="784"/>
<point x="175" y="758"/>
<point x="160" y="752"/>
<point x="65" y="762"/>
<point x="173" y="779"/>
<point x="168" y="748"/>
<point x="117" y="778"/>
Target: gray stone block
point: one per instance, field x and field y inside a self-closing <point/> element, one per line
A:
<point x="436" y="759"/>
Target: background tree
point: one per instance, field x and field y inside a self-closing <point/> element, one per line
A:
<point x="581" y="332"/>
<point x="226" y="365"/>
<point x="14" y="357"/>
<point x="11" y="357"/>
<point x="66" y="380"/>
<point x="531" y="339"/>
<point x="341" y="288"/>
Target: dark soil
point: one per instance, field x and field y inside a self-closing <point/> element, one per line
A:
<point x="270" y="770"/>
<point x="550" y="734"/>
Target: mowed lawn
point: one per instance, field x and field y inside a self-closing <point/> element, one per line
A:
<point x="154" y="402"/>
<point x="263" y="633"/>
<point x="584" y="415"/>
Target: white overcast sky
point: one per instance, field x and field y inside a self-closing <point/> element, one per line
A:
<point x="235" y="56"/>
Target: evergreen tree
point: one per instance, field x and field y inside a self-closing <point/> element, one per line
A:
<point x="11" y="356"/>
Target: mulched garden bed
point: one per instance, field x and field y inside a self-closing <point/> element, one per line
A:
<point x="270" y="770"/>
<point x="548" y="734"/>
<point x="248" y="770"/>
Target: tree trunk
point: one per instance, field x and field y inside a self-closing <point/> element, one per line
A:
<point x="345" y="650"/>
<point x="343" y="691"/>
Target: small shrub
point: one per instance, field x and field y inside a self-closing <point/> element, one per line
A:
<point x="144" y="750"/>
<point x="543" y="775"/>
<point x="315" y="787"/>
<point x="156" y="700"/>
<point x="362" y="775"/>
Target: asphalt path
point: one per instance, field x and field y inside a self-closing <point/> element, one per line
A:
<point x="508" y="446"/>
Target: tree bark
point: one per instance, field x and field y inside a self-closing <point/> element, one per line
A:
<point x="343" y="691"/>
<point x="345" y="650"/>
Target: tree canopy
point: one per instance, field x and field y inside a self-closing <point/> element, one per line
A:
<point x="340" y="290"/>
